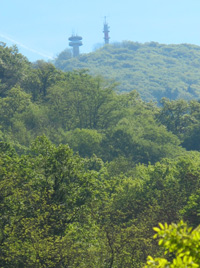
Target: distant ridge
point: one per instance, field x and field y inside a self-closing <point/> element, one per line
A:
<point x="154" y="70"/>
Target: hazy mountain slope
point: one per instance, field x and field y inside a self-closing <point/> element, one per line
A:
<point x="154" y="70"/>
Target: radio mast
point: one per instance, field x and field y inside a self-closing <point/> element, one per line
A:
<point x="106" y="31"/>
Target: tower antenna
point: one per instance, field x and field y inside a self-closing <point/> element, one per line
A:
<point x="106" y="31"/>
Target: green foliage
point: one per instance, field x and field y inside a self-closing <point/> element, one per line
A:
<point x="182" y="118"/>
<point x="191" y="211"/>
<point x="58" y="209"/>
<point x="15" y="103"/>
<point x="58" y="103"/>
<point x="13" y="68"/>
<point x="154" y="70"/>
<point x="85" y="141"/>
<point x="47" y="203"/>
<point x="180" y="240"/>
<point x="139" y="137"/>
<point x="62" y="57"/>
<point x="84" y="101"/>
<point x="174" y="115"/>
<point x="41" y="77"/>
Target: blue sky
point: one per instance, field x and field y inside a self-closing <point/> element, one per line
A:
<point x="41" y="28"/>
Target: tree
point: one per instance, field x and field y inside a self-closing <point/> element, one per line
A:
<point x="139" y="137"/>
<point x="83" y="101"/>
<point x="40" y="78"/>
<point x="48" y="200"/>
<point x="62" y="58"/>
<point x="174" y="115"/>
<point x="84" y="141"/>
<point x="13" y="68"/>
<point x="181" y="243"/>
<point x="16" y="102"/>
<point x="191" y="211"/>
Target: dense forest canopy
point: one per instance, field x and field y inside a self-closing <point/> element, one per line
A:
<point x="154" y="70"/>
<point x="86" y="173"/>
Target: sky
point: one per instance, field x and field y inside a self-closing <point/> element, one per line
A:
<point x="41" y="28"/>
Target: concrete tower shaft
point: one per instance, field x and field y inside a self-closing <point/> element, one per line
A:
<point x="75" y="42"/>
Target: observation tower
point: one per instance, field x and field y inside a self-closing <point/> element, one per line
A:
<point x="106" y="32"/>
<point x="75" y="42"/>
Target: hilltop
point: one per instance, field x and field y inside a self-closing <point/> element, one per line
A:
<point x="154" y="70"/>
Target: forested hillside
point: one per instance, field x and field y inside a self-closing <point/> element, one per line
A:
<point x="154" y="70"/>
<point x="87" y="173"/>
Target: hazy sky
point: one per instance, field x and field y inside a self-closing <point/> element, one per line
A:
<point x="41" y="28"/>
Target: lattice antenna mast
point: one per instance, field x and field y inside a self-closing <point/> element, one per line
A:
<point x="106" y="31"/>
